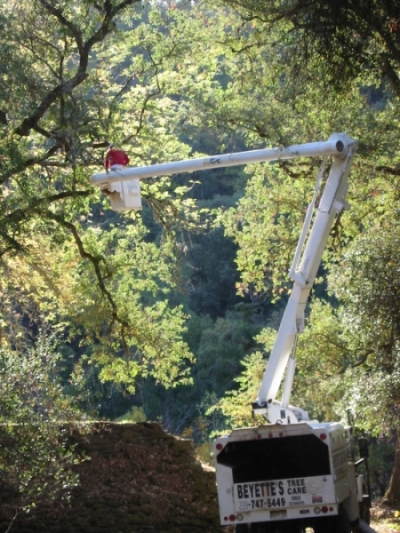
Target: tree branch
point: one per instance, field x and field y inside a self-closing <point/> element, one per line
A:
<point x="22" y="214"/>
<point x="95" y="261"/>
<point x="30" y="163"/>
<point x="391" y="74"/>
<point x="394" y="171"/>
<point x="84" y="48"/>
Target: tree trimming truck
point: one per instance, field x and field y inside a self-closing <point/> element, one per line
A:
<point x="290" y="474"/>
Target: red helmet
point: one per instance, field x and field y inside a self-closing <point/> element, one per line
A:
<point x="115" y="157"/>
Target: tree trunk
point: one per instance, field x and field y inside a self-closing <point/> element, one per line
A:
<point x="393" y="493"/>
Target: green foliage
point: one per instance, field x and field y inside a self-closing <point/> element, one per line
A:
<point x="264" y="96"/>
<point x="208" y="269"/>
<point x="73" y="77"/>
<point x="263" y="226"/>
<point x="235" y="406"/>
<point x="36" y="420"/>
<point x="136" y="414"/>
<point x="172" y="82"/>
<point x="349" y="43"/>
<point x="219" y="348"/>
<point x="368" y="285"/>
<point x="222" y="347"/>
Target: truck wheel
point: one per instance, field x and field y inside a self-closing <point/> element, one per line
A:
<point x="241" y="528"/>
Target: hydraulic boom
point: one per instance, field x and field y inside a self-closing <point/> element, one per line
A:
<point x="125" y="186"/>
<point x="291" y="474"/>
<point x="304" y="268"/>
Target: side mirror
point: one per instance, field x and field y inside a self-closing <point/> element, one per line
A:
<point x="363" y="448"/>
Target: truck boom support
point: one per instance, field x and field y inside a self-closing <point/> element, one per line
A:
<point x="304" y="269"/>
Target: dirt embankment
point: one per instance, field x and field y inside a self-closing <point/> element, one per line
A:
<point x="138" y="479"/>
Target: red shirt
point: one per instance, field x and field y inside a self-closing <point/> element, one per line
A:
<point x="115" y="157"/>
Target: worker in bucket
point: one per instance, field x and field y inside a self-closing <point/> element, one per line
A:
<point x="115" y="159"/>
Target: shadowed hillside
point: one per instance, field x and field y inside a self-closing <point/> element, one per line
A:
<point x="138" y="479"/>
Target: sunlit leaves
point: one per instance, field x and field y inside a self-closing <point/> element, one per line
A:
<point x="236" y="405"/>
<point x="129" y="323"/>
<point x="79" y="76"/>
<point x="266" y="224"/>
<point x="372" y="263"/>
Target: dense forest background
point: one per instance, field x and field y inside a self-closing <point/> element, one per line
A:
<point x="169" y="314"/>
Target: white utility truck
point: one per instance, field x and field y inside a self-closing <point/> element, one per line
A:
<point x="290" y="474"/>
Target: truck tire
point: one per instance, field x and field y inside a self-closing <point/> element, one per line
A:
<point x="241" y="528"/>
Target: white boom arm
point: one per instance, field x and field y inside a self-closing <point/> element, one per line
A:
<point x="303" y="271"/>
<point x="337" y="145"/>
<point x="124" y="185"/>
